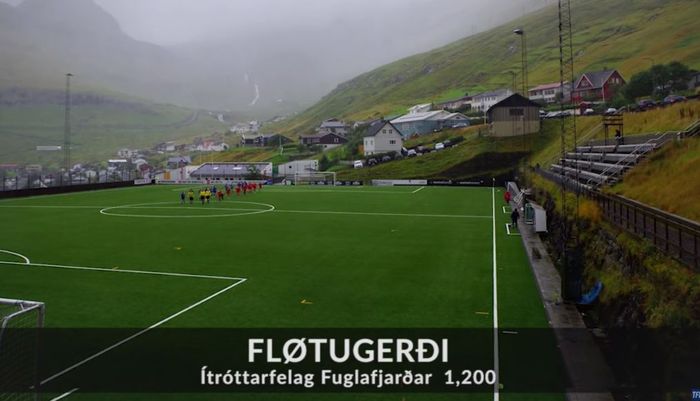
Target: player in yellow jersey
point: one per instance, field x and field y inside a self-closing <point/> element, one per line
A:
<point x="190" y="196"/>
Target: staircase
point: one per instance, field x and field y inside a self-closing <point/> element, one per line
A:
<point x="599" y="163"/>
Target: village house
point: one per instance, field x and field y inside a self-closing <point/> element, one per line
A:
<point x="550" y="93"/>
<point x="179" y="161"/>
<point x="332" y="126"/>
<point x="382" y="137"/>
<point x="462" y="104"/>
<point x="420" y="123"/>
<point x="484" y="101"/>
<point x="598" y="86"/>
<point x="264" y="140"/>
<point x="326" y="141"/>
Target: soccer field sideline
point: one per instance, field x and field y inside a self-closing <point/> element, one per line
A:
<point x="349" y="213"/>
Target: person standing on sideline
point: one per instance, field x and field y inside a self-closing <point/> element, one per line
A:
<point x="514" y="216"/>
<point x="506" y="196"/>
<point x="182" y="197"/>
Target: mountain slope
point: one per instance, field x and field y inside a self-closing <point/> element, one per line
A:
<point x="623" y="34"/>
<point x="42" y="40"/>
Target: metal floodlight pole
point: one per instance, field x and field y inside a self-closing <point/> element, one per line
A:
<point x="523" y="45"/>
<point x="67" y="128"/>
<point x="513" y="75"/>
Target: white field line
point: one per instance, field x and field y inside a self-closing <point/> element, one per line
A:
<point x="140" y="333"/>
<point x="496" y="395"/>
<point x="459" y="216"/>
<point x="506" y="211"/>
<point x="508" y="230"/>
<point x="66" y="394"/>
<point x="456" y="216"/>
<point x="26" y="259"/>
<point x="418" y="190"/>
<point x="146" y="272"/>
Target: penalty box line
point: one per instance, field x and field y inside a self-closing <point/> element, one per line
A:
<point x="140" y="333"/>
<point x="237" y="282"/>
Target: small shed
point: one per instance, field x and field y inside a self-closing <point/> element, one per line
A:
<point x="513" y="116"/>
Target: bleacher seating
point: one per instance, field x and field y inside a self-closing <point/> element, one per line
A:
<point x="599" y="163"/>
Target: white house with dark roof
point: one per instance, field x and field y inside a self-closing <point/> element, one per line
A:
<point x="382" y="137"/>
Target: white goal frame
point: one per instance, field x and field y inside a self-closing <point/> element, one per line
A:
<point x="311" y="177"/>
<point x="30" y="315"/>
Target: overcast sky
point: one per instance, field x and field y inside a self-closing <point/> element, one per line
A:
<point x="169" y="22"/>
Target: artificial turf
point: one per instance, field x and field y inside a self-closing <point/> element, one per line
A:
<point x="369" y="257"/>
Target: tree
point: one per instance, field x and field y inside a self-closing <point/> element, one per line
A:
<point x="324" y="163"/>
<point x="679" y="74"/>
<point x="639" y="85"/>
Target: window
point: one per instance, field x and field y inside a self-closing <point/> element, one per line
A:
<point x="392" y="142"/>
<point x="516" y="112"/>
<point x="383" y="131"/>
<point x="335" y="140"/>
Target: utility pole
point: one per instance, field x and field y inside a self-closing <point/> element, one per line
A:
<point x="571" y="255"/>
<point x="66" y="129"/>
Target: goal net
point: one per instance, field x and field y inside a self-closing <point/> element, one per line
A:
<point x="315" y="178"/>
<point x="19" y="354"/>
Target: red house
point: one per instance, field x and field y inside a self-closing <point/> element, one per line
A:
<point x="598" y="86"/>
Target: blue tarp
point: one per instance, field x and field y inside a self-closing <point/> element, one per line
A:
<point x="592" y="295"/>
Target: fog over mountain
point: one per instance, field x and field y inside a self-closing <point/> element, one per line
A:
<point x="266" y="56"/>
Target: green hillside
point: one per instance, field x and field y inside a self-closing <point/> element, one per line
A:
<point x="623" y="34"/>
<point x="98" y="130"/>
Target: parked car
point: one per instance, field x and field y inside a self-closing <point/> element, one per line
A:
<point x="358" y="164"/>
<point x="460" y="125"/>
<point x="411" y="153"/>
<point x="447" y="143"/>
<point x="439" y="146"/>
<point x="372" y="162"/>
<point x="610" y="111"/>
<point x="671" y="99"/>
<point x="588" y="112"/>
<point x="646" y="104"/>
<point x="386" y="158"/>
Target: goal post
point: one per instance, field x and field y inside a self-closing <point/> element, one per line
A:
<point x="315" y="178"/>
<point x="19" y="349"/>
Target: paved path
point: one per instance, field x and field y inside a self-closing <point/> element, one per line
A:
<point x="584" y="362"/>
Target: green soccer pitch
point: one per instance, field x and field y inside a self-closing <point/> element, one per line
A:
<point x="291" y="257"/>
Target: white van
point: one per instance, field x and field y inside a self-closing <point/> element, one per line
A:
<point x="358" y="164"/>
<point x="439" y="146"/>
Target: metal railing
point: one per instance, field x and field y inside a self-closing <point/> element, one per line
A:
<point x="640" y="150"/>
<point x="673" y="235"/>
<point x="34" y="181"/>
